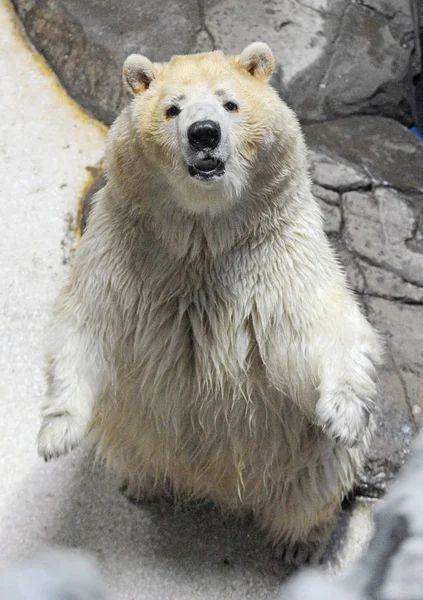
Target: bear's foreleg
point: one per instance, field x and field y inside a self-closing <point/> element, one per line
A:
<point x="348" y="352"/>
<point x="75" y="376"/>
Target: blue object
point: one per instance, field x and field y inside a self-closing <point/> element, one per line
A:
<point x="417" y="132"/>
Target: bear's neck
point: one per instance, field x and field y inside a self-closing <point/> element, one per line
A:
<point x="253" y="220"/>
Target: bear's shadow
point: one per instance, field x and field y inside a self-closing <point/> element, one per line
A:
<point x="93" y="515"/>
<point x="191" y="535"/>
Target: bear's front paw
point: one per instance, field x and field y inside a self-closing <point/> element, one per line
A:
<point x="343" y="415"/>
<point x="58" y="435"/>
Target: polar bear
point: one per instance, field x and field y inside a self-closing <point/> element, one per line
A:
<point x="207" y="340"/>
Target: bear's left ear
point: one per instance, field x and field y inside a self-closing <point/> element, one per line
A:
<point x="258" y="60"/>
<point x="138" y="73"/>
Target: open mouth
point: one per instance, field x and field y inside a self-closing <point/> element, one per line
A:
<point x="207" y="168"/>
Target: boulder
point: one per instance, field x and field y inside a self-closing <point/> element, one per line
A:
<point x="86" y="43"/>
<point x="370" y="169"/>
<point x="334" y="57"/>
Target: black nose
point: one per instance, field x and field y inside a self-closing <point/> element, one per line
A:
<point x="204" y="135"/>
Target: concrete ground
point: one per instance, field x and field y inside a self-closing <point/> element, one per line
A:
<point x="48" y="149"/>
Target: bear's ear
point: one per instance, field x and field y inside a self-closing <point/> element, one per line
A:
<point x="138" y="73"/>
<point x="258" y="60"/>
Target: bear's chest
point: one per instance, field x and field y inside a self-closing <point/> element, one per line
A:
<point x="200" y="334"/>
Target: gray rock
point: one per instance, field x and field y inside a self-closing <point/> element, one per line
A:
<point x="332" y="217"/>
<point x="327" y="195"/>
<point x="336" y="174"/>
<point x="375" y="166"/>
<point x="413" y="384"/>
<point x="382" y="219"/>
<point x="334" y="57"/>
<point x="402" y="327"/>
<point x="86" y="43"/>
<point x="379" y="226"/>
<point x="329" y="201"/>
<point x="384" y="149"/>
<point x="370" y="61"/>
<point x="390" y="447"/>
<point x="386" y="284"/>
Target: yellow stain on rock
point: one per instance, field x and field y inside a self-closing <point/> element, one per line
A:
<point x="19" y="44"/>
<point x="23" y="45"/>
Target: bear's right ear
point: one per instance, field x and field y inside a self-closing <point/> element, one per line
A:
<point x="138" y="73"/>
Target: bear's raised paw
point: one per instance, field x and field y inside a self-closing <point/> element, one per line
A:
<point x="344" y="416"/>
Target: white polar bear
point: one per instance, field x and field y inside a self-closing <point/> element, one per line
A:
<point x="207" y="339"/>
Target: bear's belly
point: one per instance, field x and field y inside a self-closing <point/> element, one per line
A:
<point x="230" y="445"/>
<point x="195" y="408"/>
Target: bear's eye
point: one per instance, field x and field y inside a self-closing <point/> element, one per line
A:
<point x="173" y="111"/>
<point x="230" y="106"/>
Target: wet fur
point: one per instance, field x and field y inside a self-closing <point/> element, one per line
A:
<point x="217" y="353"/>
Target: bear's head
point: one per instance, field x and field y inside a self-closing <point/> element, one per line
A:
<point x="210" y="124"/>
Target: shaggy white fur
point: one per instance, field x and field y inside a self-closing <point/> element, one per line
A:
<point x="207" y="338"/>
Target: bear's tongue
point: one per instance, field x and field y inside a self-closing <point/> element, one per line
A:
<point x="206" y="164"/>
<point x="207" y="168"/>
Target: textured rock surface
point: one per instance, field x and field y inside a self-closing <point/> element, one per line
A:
<point x="87" y="42"/>
<point x="370" y="170"/>
<point x="335" y="57"/>
<point x="391" y="568"/>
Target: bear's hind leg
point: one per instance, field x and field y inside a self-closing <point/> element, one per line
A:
<point x="303" y="510"/>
